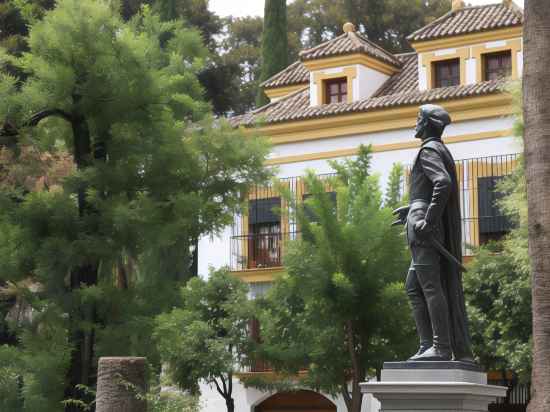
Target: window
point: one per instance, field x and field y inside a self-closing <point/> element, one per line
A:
<point x="492" y="223"/>
<point x="446" y="73"/>
<point x="497" y="65"/>
<point x="264" y="233"/>
<point x="336" y="90"/>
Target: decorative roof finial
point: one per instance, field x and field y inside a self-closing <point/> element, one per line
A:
<point x="507" y="3"/>
<point x="457" y="5"/>
<point x="349" y="27"/>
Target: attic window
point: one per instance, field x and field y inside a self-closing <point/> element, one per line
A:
<point x="336" y="90"/>
<point x="446" y="73"/>
<point x="497" y="65"/>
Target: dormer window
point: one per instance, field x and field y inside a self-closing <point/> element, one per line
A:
<point x="336" y="90"/>
<point x="446" y="73"/>
<point x="497" y="65"/>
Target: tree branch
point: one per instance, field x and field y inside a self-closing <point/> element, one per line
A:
<point x="218" y="388"/>
<point x="37" y="117"/>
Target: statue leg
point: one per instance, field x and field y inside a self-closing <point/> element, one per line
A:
<point x="420" y="312"/>
<point x="428" y="272"/>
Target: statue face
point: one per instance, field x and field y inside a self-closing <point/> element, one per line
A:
<point x="421" y="125"/>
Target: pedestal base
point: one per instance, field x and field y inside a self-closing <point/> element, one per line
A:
<point x="434" y="387"/>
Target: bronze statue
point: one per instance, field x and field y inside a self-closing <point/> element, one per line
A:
<point x="433" y="229"/>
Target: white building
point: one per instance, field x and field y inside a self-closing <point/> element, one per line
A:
<point x="349" y="91"/>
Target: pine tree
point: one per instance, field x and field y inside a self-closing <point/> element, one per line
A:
<point x="110" y="243"/>
<point x="274" y="43"/>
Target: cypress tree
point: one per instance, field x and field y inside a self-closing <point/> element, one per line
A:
<point x="274" y="43"/>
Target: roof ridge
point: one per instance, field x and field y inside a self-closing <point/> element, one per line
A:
<point x="433" y="23"/>
<point x="374" y="44"/>
<point x="304" y="51"/>
<point x="279" y="72"/>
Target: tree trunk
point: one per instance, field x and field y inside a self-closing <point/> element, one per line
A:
<point x="536" y="101"/>
<point x="121" y="385"/>
<point x="81" y="368"/>
<point x="230" y="403"/>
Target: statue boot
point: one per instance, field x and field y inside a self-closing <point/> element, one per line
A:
<point x="420" y="314"/>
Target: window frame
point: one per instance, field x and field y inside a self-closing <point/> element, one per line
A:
<point x="484" y="63"/>
<point x="342" y="92"/>
<point x="448" y="62"/>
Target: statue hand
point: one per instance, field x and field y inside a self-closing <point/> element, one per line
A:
<point x="422" y="227"/>
<point x="401" y="213"/>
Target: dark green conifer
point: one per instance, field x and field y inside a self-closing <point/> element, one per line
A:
<point x="274" y="43"/>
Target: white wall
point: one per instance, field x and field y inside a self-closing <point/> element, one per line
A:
<point x="367" y="82"/>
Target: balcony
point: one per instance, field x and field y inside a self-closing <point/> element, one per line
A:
<point x="259" y="237"/>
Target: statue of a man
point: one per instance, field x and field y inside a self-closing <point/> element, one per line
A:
<point x="433" y="228"/>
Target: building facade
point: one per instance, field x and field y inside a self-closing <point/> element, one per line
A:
<point x="349" y="91"/>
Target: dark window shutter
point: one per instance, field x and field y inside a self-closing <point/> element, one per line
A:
<point x="264" y="210"/>
<point x="491" y="219"/>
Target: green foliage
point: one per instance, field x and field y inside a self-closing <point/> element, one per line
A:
<point x="206" y="338"/>
<point x="498" y="290"/>
<point x="498" y="282"/>
<point x="274" y="43"/>
<point x="340" y="310"/>
<point x="394" y="191"/>
<point x="32" y="374"/>
<point x="155" y="172"/>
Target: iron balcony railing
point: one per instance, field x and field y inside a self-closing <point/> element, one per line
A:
<point x="259" y="235"/>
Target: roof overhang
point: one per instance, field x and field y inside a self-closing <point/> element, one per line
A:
<point x="349" y="60"/>
<point x="277" y="92"/>
<point x="393" y="118"/>
<point x="467" y="39"/>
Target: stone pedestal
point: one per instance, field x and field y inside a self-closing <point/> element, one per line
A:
<point x="434" y="387"/>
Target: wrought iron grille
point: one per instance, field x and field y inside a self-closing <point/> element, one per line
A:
<point x="259" y="235"/>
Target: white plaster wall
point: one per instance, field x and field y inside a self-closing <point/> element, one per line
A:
<point x="312" y="90"/>
<point x="471" y="73"/>
<point x="214" y="251"/>
<point x="246" y="399"/>
<point x="422" y="74"/>
<point x="367" y="82"/>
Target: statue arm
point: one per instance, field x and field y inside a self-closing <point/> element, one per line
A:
<point x="434" y="168"/>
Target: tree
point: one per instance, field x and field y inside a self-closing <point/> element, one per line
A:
<point x="498" y="290"/>
<point x="536" y="100"/>
<point x="274" y="43"/>
<point x="386" y="22"/>
<point x="109" y="245"/>
<point x="207" y="338"/>
<point x="340" y="310"/>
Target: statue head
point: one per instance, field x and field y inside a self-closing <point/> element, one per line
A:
<point x="431" y="121"/>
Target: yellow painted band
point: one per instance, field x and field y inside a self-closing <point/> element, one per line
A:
<point x="283" y="91"/>
<point x="467" y="39"/>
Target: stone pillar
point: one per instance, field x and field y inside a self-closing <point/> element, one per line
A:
<point x="433" y="386"/>
<point x="121" y="385"/>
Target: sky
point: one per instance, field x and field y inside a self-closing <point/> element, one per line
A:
<point x="239" y="8"/>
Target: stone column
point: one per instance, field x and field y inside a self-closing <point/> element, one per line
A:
<point x="121" y="385"/>
<point x="433" y="386"/>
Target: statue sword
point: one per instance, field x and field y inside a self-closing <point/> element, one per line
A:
<point x="450" y="257"/>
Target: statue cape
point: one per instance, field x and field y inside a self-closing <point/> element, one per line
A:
<point x="451" y="276"/>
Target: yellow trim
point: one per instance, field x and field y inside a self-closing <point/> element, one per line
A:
<point x="258" y="275"/>
<point x="514" y="45"/>
<point x="386" y="147"/>
<point x="429" y="59"/>
<point x="467" y="39"/>
<point x="470" y="108"/>
<point x="319" y="80"/>
<point x="349" y="60"/>
<point x="278" y="92"/>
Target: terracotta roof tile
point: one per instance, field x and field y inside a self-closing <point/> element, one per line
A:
<point x="470" y="20"/>
<point x="348" y="43"/>
<point x="404" y="81"/>
<point x="296" y="105"/>
<point x="296" y="73"/>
